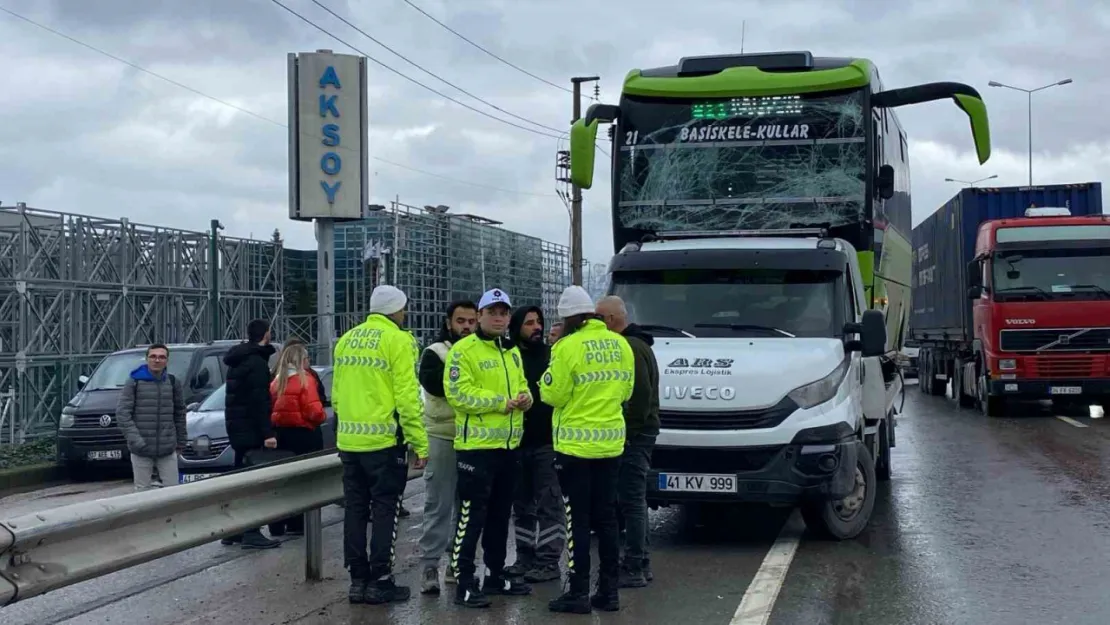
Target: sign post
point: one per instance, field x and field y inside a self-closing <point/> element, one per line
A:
<point x="328" y="183"/>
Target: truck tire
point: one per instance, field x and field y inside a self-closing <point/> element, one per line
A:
<point x="924" y="374"/>
<point x="963" y="399"/>
<point x="990" y="405"/>
<point x="938" y="387"/>
<point x="846" y="518"/>
<point x="882" y="463"/>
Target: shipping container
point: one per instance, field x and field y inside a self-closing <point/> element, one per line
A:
<point x="944" y="244"/>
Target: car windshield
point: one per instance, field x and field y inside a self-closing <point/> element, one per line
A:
<point x="114" y="370"/>
<point x="215" y="401"/>
<point x="729" y="303"/>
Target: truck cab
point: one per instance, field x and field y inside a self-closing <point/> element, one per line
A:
<point x="773" y="385"/>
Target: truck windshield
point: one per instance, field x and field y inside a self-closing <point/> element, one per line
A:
<point x="1067" y="273"/>
<point x="114" y="370"/>
<point x="735" y="163"/>
<point x="730" y="303"/>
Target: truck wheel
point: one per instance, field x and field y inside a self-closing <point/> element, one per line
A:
<point x="846" y="518"/>
<point x="924" y="374"/>
<point x="937" y="387"/>
<point x="963" y="399"/>
<point x="882" y="463"/>
<point x="991" y="405"/>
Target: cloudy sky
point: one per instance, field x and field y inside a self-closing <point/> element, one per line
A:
<point x="83" y="133"/>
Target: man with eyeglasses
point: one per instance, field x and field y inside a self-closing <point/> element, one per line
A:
<point x="151" y="414"/>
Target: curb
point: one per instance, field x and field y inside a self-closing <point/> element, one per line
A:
<point x="17" y="478"/>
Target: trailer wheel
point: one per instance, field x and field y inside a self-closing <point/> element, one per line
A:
<point x="963" y="399"/>
<point x="846" y="518"/>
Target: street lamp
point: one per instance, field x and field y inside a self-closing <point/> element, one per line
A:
<point x="1029" y="93"/>
<point x="971" y="183"/>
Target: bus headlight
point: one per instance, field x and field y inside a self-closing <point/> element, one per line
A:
<point x="822" y="390"/>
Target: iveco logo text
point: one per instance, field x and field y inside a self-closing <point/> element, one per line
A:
<point x="1021" y="322"/>
<point x="699" y="392"/>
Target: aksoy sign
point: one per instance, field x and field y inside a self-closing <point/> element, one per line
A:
<point x="328" y="164"/>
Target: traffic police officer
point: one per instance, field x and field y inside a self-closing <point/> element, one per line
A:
<point x="591" y="375"/>
<point x="377" y="402"/>
<point x="484" y="383"/>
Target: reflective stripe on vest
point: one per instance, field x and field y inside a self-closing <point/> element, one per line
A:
<point x="476" y="434"/>
<point x="367" y="429"/>
<point x="607" y="375"/>
<point x="590" y="435"/>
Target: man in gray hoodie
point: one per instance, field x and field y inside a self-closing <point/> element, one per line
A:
<point x="151" y="414"/>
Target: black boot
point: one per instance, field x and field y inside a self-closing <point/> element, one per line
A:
<point x="357" y="592"/>
<point x="384" y="590"/>
<point x="632" y="575"/>
<point x="467" y="594"/>
<point x="502" y="585"/>
<point x="576" y="600"/>
<point x="253" y="539"/>
<point x="232" y="540"/>
<point x="606" y="598"/>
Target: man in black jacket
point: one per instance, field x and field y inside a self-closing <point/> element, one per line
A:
<point x="540" y="527"/>
<point x="247" y="409"/>
<point x="641" y="416"/>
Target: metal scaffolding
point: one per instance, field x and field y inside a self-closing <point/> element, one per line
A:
<point x="433" y="256"/>
<point x="75" y="288"/>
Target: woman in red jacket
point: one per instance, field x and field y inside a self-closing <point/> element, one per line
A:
<point x="297" y="413"/>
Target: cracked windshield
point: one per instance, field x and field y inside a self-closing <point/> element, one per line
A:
<point x="739" y="163"/>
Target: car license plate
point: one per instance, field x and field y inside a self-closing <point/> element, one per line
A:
<point x="1066" y="390"/>
<point x="697" y="483"/>
<point x="111" y="454"/>
<point x="185" y="478"/>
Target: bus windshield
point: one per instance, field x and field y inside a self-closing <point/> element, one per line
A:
<point x="741" y="163"/>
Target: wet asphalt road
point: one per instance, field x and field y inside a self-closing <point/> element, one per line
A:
<point x="986" y="521"/>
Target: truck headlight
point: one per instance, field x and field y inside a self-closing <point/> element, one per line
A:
<point x="66" y="420"/>
<point x="1008" y="364"/>
<point x="822" y="390"/>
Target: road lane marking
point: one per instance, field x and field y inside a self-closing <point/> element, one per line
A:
<point x="1071" y="421"/>
<point x="759" y="599"/>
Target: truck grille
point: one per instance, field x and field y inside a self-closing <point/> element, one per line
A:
<point x="728" y="420"/>
<point x="712" y="459"/>
<point x="1061" y="339"/>
<point x="1063" y="366"/>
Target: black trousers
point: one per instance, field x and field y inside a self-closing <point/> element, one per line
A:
<point x="590" y="496"/>
<point x="486" y="488"/>
<point x="300" y="441"/>
<point x="373" y="485"/>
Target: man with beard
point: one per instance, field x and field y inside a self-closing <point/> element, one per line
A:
<point x="540" y="527"/>
<point x="440" y="476"/>
<point x="641" y="416"/>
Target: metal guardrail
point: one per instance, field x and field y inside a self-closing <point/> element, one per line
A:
<point x="44" y="551"/>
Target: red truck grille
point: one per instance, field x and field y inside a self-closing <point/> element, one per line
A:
<point x="1064" y="366"/>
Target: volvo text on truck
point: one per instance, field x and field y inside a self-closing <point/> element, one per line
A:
<point x="1011" y="296"/>
<point x="761" y="213"/>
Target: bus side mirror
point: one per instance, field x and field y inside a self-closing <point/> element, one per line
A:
<point x="884" y="183"/>
<point x="583" y="142"/>
<point x="964" y="96"/>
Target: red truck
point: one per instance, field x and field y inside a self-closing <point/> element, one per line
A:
<point x="1011" y="296"/>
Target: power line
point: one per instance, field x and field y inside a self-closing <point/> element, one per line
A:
<point x="241" y="109"/>
<point x="407" y="77"/>
<point x="429" y="72"/>
<point x="464" y="38"/>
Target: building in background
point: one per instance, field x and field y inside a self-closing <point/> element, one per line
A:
<point x="435" y="257"/>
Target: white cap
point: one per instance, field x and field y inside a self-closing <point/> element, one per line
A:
<point x="387" y="300"/>
<point x="575" y="301"/>
<point x="494" y="296"/>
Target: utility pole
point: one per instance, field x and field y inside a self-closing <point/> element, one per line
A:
<point x="576" y="192"/>
<point x="1029" y="110"/>
<point x="214" y="278"/>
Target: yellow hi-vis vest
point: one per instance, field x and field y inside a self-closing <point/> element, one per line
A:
<point x="480" y="377"/>
<point x="589" y="378"/>
<point x="375" y="393"/>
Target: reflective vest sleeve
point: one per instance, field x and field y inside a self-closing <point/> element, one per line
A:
<point x="406" y="389"/>
<point x="461" y="387"/>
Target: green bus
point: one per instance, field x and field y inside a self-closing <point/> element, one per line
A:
<point x="769" y="141"/>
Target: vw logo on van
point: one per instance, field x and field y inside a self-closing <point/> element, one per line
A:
<point x="105" y="420"/>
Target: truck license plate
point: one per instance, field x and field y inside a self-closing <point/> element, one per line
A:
<point x="111" y="454"/>
<point x="697" y="483"/>
<point x="1066" y="390"/>
<point x="186" y="478"/>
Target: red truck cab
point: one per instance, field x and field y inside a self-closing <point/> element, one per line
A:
<point x="1040" y="291"/>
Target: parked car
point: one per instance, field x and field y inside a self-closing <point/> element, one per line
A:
<point x="907" y="359"/>
<point x="207" y="452"/>
<point x="88" y="435"/>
